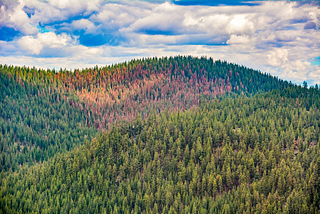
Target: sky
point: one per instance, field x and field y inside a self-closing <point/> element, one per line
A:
<point x="277" y="37"/>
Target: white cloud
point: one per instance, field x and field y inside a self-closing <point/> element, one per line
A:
<point x="277" y="37"/>
<point x="165" y="18"/>
<point x="84" y="24"/>
<point x="34" y="44"/>
<point x="277" y="57"/>
<point x="31" y="44"/>
<point x="118" y="16"/>
<point x="12" y="15"/>
<point x="234" y="39"/>
<point x="240" y="24"/>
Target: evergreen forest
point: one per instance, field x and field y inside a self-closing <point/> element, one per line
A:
<point x="158" y="135"/>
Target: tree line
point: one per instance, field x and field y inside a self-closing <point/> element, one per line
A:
<point x="45" y="112"/>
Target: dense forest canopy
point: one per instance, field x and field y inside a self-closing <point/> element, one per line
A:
<point x="44" y="112"/>
<point x="158" y="135"/>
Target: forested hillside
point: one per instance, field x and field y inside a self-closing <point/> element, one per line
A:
<point x="231" y="155"/>
<point x="157" y="135"/>
<point x="45" y="112"/>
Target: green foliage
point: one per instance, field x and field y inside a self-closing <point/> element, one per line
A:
<point x="46" y="112"/>
<point x="36" y="122"/>
<point x="240" y="155"/>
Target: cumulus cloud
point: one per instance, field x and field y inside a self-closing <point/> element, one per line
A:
<point x="277" y="37"/>
<point x="277" y="57"/>
<point x="84" y="24"/>
<point x="12" y="15"/>
<point x="234" y="39"/>
<point x="34" y="44"/>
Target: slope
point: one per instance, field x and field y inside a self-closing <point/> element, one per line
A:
<point x="47" y="112"/>
<point x="258" y="154"/>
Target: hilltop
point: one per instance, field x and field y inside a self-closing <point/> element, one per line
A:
<point x="168" y="135"/>
<point x="44" y="112"/>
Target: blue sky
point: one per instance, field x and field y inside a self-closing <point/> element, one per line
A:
<point x="277" y="37"/>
